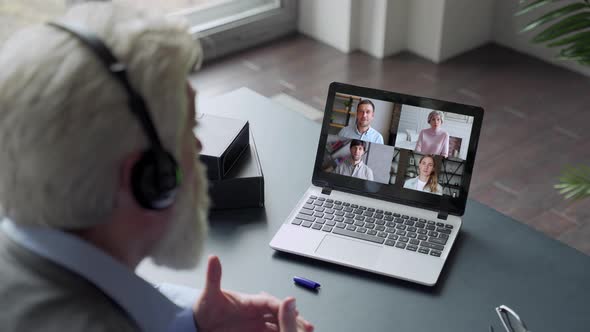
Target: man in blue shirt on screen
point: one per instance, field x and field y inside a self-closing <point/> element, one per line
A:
<point x="361" y="128"/>
<point x="86" y="194"/>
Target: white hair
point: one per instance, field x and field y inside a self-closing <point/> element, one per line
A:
<point x="435" y="113"/>
<point x="65" y="126"/>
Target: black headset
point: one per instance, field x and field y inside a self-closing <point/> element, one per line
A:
<point x="156" y="176"/>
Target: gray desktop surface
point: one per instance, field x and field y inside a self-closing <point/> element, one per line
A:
<point x="495" y="260"/>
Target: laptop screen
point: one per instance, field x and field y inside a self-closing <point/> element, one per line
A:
<point x="406" y="149"/>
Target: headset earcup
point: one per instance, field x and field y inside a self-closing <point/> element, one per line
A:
<point x="155" y="185"/>
<point x="142" y="180"/>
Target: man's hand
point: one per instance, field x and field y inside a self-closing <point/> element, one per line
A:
<point x="219" y="310"/>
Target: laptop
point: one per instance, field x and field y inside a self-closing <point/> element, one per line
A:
<point x="389" y="186"/>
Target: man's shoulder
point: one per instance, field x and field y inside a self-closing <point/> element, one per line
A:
<point x="45" y="296"/>
<point x="344" y="164"/>
<point x="350" y="129"/>
<point x="376" y="133"/>
<point x="62" y="314"/>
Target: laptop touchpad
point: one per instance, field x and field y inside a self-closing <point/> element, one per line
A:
<point x="349" y="251"/>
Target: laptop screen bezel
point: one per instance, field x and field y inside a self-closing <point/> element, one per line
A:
<point x="389" y="192"/>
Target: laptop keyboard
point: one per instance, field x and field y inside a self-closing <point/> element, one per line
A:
<point x="365" y="223"/>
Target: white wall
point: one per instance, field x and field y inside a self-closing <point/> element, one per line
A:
<point x="377" y="27"/>
<point x="425" y="22"/>
<point x="371" y="27"/>
<point x="413" y="118"/>
<point x="506" y="27"/>
<point x="328" y="21"/>
<point x="379" y="160"/>
<point x="434" y="29"/>
<point x="467" y="24"/>
<point x="382" y="26"/>
<point x="396" y="27"/>
<point x="355" y="23"/>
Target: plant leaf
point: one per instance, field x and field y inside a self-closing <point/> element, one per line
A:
<point x="573" y="194"/>
<point x="572" y="23"/>
<point x="532" y="6"/>
<point x="581" y="37"/>
<point x="576" y="47"/>
<point x="563" y="11"/>
<point x="575" y="52"/>
<point x="581" y="59"/>
<point x="575" y="183"/>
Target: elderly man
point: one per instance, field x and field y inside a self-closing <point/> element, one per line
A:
<point x="361" y="129"/>
<point x="99" y="171"/>
<point x="354" y="166"/>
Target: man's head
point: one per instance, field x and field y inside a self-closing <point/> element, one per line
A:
<point x="357" y="150"/>
<point x="365" y="112"/>
<point x="68" y="141"/>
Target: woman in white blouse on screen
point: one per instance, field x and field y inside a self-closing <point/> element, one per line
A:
<point x="427" y="179"/>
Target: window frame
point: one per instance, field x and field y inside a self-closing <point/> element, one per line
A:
<point x="248" y="31"/>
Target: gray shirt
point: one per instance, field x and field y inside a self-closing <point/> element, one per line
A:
<point x="37" y="260"/>
<point x="359" y="170"/>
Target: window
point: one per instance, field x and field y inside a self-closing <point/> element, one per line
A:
<point x="226" y="26"/>
<point x="223" y="26"/>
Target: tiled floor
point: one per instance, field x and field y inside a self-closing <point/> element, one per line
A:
<point x="536" y="119"/>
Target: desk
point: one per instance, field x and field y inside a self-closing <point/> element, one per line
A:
<point x="495" y="259"/>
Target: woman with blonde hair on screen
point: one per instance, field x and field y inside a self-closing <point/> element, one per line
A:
<point x="434" y="140"/>
<point x="427" y="179"/>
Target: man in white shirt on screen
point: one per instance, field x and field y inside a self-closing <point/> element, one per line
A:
<point x="354" y="166"/>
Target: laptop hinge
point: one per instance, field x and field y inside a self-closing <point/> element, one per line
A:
<point x="326" y="191"/>
<point x="444" y="208"/>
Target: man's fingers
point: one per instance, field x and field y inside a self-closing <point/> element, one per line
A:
<point x="266" y="303"/>
<point x="287" y="316"/>
<point x="213" y="274"/>
<point x="304" y="325"/>
<point x="271" y="327"/>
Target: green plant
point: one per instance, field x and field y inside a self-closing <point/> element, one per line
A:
<point x="575" y="183"/>
<point x="348" y="104"/>
<point x="570" y="31"/>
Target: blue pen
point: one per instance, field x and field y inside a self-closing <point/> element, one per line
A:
<point x="310" y="284"/>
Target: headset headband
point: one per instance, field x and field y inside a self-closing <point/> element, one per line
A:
<point x="119" y="71"/>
